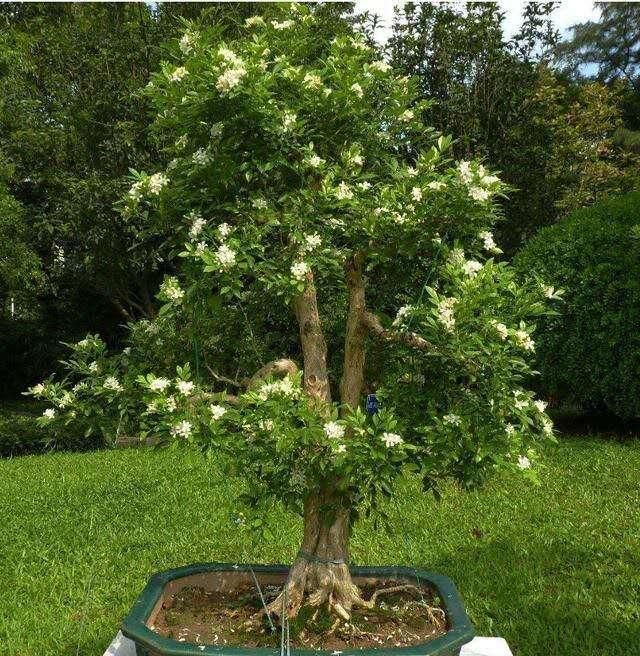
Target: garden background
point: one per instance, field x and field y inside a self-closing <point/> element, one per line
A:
<point x="552" y="568"/>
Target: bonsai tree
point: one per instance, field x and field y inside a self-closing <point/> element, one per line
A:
<point x="330" y="250"/>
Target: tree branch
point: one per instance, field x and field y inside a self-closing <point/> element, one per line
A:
<point x="223" y="379"/>
<point x="282" y="367"/>
<point x="374" y="326"/>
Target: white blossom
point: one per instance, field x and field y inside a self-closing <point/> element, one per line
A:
<point x="407" y="116"/>
<point x="464" y="170"/>
<point x="197" y="225"/>
<point x="357" y="89"/>
<point x="226" y="256"/>
<point x="391" y="439"/>
<point x="159" y="384"/>
<point x="282" y="25"/>
<point x="49" y="413"/>
<point x="445" y="313"/>
<point x="334" y="430"/>
<point x="202" y="157"/>
<point x="289" y="120"/>
<point x="112" y="383"/>
<point x="478" y="193"/>
<point x="223" y="230"/>
<point x="523" y="339"/>
<point x="171" y="404"/>
<point x="259" y="203"/>
<point x="411" y="171"/>
<point x="156" y="182"/>
<point x="520" y="401"/>
<point x="230" y="79"/>
<point x="380" y="66"/>
<point x="185" y="387"/>
<point x="343" y="191"/>
<point x="312" y="80"/>
<point x="171" y="290"/>
<point x="401" y="314"/>
<point x="341" y="448"/>
<point x="136" y="192"/>
<point x="436" y="185"/>
<point x="502" y="330"/>
<point x="524" y="462"/>
<point x="364" y="185"/>
<point x="547" y="426"/>
<point x="94" y="367"/>
<point x="488" y="180"/>
<point x="299" y="270"/>
<point x="471" y="267"/>
<point x="315" y="161"/>
<point x="509" y="429"/>
<point x="266" y="424"/>
<point x="548" y="291"/>
<point x="182" y="429"/>
<point x="540" y="405"/>
<point x="452" y="420"/>
<point x="217" y="411"/>
<point x="416" y="194"/>
<point x="253" y="21"/>
<point x="284" y="387"/>
<point x="178" y="74"/>
<point x="311" y="242"/>
<point x="188" y="41"/>
<point x="488" y="241"/>
<point x="67" y="398"/>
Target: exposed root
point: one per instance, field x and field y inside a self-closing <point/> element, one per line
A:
<point x="370" y="603"/>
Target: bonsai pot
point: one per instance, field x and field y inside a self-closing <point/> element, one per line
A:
<point x="219" y="577"/>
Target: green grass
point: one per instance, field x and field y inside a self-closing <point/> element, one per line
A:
<point x="554" y="569"/>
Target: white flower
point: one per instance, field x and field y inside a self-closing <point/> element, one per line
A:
<point x="523" y="339"/>
<point x="334" y="430"/>
<point x="230" y="57"/>
<point x="547" y="426"/>
<point x="312" y="80"/>
<point x="471" y="267"/>
<point x="202" y="157"/>
<point x="159" y="384"/>
<point x="509" y="429"/>
<point x="197" y="225"/>
<point x="136" y="191"/>
<point x="93" y="367"/>
<point x="380" y="66"/>
<point x="182" y="429"/>
<point x="364" y="185"/>
<point x="398" y="218"/>
<point x="524" y="462"/>
<point x="341" y="448"/>
<point x="403" y="312"/>
<point x="436" y="185"/>
<point x="112" y="383"/>
<point x="488" y="241"/>
<point x="548" y="291"/>
<point x="284" y="387"/>
<point x="311" y="242"/>
<point x="520" y="400"/>
<point x="38" y="390"/>
<point x="412" y="171"/>
<point x="171" y="404"/>
<point x="464" y="170"/>
<point x="259" y="203"/>
<point x="343" y="192"/>
<point x="187" y="42"/>
<point x="289" y="120"/>
<point x="223" y="230"/>
<point x="488" y="180"/>
<point x="283" y="25"/>
<point x="478" y="193"/>
<point x="179" y="73"/>
<point x="315" y="161"/>
<point x="416" y="194"/>
<point x="541" y="405"/>
<point x="391" y="439"/>
<point x="49" y="413"/>
<point x="156" y="182"/>
<point x="357" y="89"/>
<point x="230" y="79"/>
<point x="217" y="411"/>
<point x="407" y="116"/>
<point x="253" y="21"/>
<point x="445" y="313"/>
<point x="171" y="290"/>
<point x="451" y="420"/>
<point x="299" y="270"/>
<point x="457" y="257"/>
<point x="181" y="142"/>
<point x="266" y="424"/>
<point x="68" y="398"/>
<point x="185" y="387"/>
<point x="226" y="256"/>
<point x="502" y="330"/>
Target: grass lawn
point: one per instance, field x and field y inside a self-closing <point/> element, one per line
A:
<point x="554" y="569"/>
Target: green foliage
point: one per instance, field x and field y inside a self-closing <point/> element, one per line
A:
<point x="82" y="533"/>
<point x="288" y="161"/>
<point x="590" y="353"/>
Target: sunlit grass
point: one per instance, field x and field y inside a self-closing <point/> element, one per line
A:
<point x="554" y="569"/>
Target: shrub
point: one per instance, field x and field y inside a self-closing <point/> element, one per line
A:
<point x="590" y="353"/>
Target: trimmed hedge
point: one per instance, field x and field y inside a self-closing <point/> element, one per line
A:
<point x="590" y="354"/>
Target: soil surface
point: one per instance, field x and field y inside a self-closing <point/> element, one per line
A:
<point x="400" y="619"/>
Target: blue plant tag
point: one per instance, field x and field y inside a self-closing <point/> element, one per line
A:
<point x="372" y="404"/>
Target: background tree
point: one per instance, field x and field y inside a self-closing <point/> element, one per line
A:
<point x="303" y="226"/>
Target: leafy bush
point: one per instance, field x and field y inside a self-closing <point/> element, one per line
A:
<point x="21" y="434"/>
<point x="590" y="353"/>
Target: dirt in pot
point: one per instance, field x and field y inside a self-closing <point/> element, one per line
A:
<point x="410" y="616"/>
